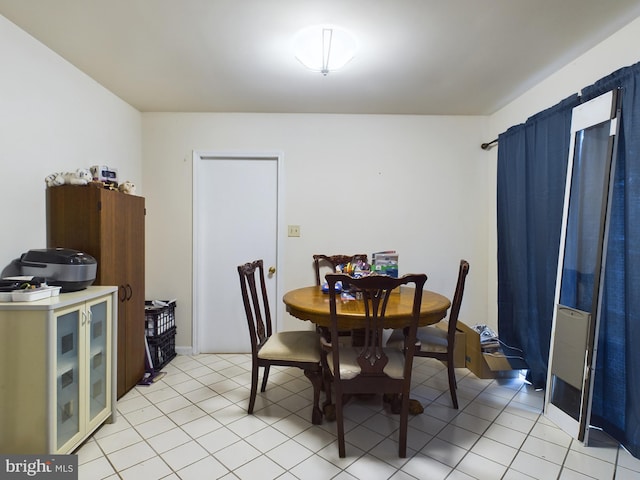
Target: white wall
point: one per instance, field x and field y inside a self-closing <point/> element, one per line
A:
<point x="355" y="183"/>
<point x="52" y="118"/>
<point x="619" y="50"/>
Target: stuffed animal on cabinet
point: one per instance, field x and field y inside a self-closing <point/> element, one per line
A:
<point x="82" y="176"/>
<point x="127" y="187"/>
<point x="54" y="180"/>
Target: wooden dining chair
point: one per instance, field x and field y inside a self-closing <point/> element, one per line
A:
<point x="268" y="348"/>
<point x="437" y="343"/>
<point x="371" y="368"/>
<point x="332" y="261"/>
<point x="321" y="261"/>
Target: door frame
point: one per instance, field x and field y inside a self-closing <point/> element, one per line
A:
<point x="604" y="108"/>
<point x="204" y="155"/>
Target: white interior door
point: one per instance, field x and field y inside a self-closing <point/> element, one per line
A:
<point x="235" y="221"/>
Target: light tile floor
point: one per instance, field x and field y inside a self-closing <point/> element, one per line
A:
<point x="192" y="424"/>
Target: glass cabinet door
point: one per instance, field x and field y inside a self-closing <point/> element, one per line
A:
<point x="98" y="359"/>
<point x="67" y="376"/>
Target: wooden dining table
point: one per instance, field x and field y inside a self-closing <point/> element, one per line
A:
<point x="310" y="303"/>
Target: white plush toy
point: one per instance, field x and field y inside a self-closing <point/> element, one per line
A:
<point x="81" y="176"/>
<point x="54" y="180"/>
<point x="127" y="187"/>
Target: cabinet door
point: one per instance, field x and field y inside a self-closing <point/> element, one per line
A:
<point x="68" y="376"/>
<point x="74" y="220"/>
<point x="122" y="252"/>
<point x="132" y="253"/>
<point x="98" y="340"/>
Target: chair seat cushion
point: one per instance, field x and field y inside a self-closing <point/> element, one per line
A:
<point x="293" y="346"/>
<point x="396" y="340"/>
<point x="349" y="366"/>
<point x="431" y="339"/>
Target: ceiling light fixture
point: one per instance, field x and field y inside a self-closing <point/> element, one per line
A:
<point x="324" y="49"/>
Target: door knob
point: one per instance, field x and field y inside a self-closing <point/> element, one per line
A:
<point x="272" y="270"/>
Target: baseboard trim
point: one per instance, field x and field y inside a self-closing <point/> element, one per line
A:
<point x="184" y="350"/>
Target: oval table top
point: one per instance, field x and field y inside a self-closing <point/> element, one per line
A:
<point x="309" y="303"/>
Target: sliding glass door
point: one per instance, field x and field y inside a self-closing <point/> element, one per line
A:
<point x="580" y="264"/>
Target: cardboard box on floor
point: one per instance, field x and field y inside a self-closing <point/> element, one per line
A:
<point x="459" y="346"/>
<point x="484" y="365"/>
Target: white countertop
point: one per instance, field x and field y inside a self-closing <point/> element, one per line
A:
<point x="61" y="300"/>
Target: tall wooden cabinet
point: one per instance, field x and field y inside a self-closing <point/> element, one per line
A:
<point x="109" y="226"/>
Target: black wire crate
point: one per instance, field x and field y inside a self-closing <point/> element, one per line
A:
<point x="162" y="348"/>
<point x="159" y="316"/>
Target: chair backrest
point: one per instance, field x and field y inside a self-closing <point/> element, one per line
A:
<point x="376" y="291"/>
<point x="333" y="261"/>
<point x="457" y="299"/>
<point x="256" y="303"/>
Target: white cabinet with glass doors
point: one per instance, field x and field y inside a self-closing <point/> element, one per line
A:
<point x="57" y="380"/>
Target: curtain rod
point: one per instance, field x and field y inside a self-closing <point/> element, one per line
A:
<point x="488" y="145"/>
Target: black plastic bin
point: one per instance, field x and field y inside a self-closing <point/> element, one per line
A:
<point x="159" y="319"/>
<point x="162" y="348"/>
<point x="160" y="328"/>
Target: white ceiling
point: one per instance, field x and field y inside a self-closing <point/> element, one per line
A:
<point x="416" y="56"/>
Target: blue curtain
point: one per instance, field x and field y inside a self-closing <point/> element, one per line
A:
<point x="616" y="395"/>
<point x="531" y="178"/>
<point x="532" y="165"/>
